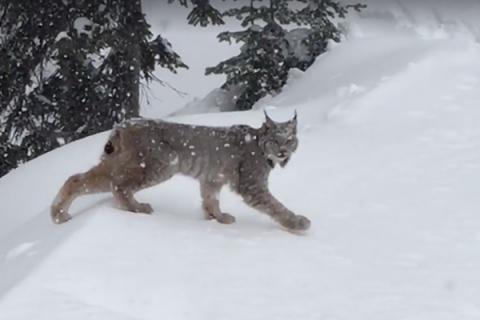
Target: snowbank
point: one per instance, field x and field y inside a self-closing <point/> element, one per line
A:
<point x="387" y="170"/>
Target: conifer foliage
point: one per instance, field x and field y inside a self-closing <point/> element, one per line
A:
<point x="203" y="13"/>
<point x="269" y="50"/>
<point x="69" y="69"/>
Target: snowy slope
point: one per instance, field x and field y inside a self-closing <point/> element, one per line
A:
<point x="387" y="170"/>
<point x="188" y="85"/>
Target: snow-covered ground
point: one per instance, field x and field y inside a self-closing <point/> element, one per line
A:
<point x="387" y="170"/>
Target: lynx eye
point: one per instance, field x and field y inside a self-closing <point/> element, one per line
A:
<point x="290" y="140"/>
<point x="272" y="144"/>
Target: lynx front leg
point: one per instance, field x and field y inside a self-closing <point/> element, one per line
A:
<point x="264" y="201"/>
<point x="211" y="205"/>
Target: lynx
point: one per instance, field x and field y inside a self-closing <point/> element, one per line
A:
<point x="141" y="153"/>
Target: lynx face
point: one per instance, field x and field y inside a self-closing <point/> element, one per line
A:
<point x="279" y="140"/>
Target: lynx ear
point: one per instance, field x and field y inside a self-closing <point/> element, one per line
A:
<point x="269" y="122"/>
<point x="294" y="119"/>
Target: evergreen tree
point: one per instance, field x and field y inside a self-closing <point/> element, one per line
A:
<point x="269" y="51"/>
<point x="318" y="16"/>
<point x="202" y="13"/>
<point x="69" y="69"/>
<point x="260" y="67"/>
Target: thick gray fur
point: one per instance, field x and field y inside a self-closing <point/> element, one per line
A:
<point x="141" y="153"/>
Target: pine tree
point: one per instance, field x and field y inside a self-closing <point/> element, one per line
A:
<point x="269" y="50"/>
<point x="319" y="18"/>
<point x="260" y="67"/>
<point x="203" y="13"/>
<point x="70" y="69"/>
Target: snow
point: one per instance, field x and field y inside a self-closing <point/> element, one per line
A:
<point x="20" y="249"/>
<point x="387" y="170"/>
<point x="188" y="86"/>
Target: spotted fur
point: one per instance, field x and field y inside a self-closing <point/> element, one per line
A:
<point x="141" y="153"/>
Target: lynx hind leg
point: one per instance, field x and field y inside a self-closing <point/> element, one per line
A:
<point x="211" y="205"/>
<point x="95" y="180"/>
<point x="123" y="194"/>
<point x="142" y="167"/>
<point x="135" y="179"/>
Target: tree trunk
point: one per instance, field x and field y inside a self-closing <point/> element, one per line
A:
<point x="132" y="54"/>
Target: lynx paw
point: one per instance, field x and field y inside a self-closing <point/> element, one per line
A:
<point x="144" y="208"/>
<point x="60" y="217"/>
<point x="208" y="216"/>
<point x="297" y="223"/>
<point x="226" y="218"/>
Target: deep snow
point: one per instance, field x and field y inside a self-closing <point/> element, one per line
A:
<point x="387" y="170"/>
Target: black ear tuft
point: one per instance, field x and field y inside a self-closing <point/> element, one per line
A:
<point x="294" y="119"/>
